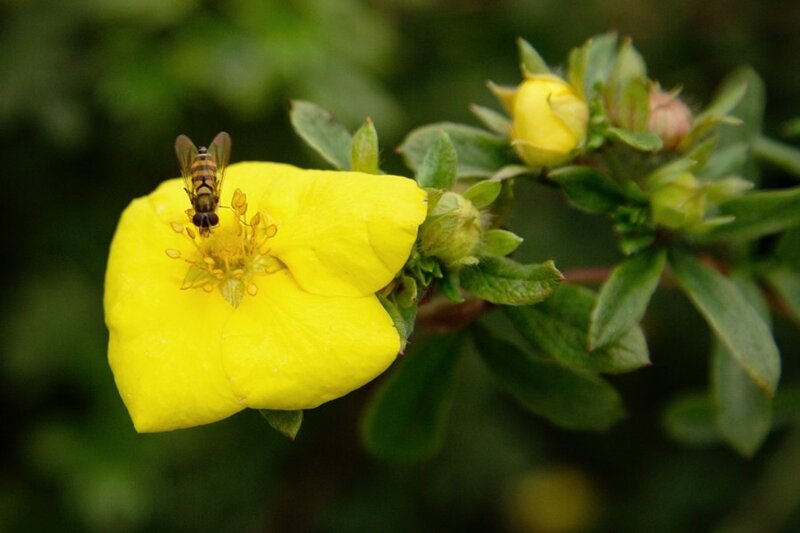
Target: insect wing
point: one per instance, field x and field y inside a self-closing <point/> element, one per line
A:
<point x="187" y="153"/>
<point x="220" y="152"/>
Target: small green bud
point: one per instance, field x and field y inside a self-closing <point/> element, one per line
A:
<point x="452" y="232"/>
<point x="679" y="203"/>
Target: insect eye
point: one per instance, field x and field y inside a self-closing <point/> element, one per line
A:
<point x="197" y="220"/>
<point x="213" y="219"/>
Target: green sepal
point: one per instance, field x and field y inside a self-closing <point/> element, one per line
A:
<point x="509" y="172"/>
<point x="504" y="281"/>
<point x="629" y="67"/>
<point x="401" y="305"/>
<point x="530" y="62"/>
<point x="558" y="326"/>
<point x="287" y="423"/>
<point x="731" y="317"/>
<point x="483" y="193"/>
<point x="320" y="130"/>
<point x="438" y="168"/>
<point x="497" y="122"/>
<point x="364" y="153"/>
<point x="632" y="111"/>
<point x="566" y="397"/>
<point x="643" y="141"/>
<point x="406" y="418"/>
<point x="624" y="297"/>
<point x="480" y="153"/>
<point x="451" y="286"/>
<point x="499" y="242"/>
<point x="591" y="64"/>
<point x="232" y="290"/>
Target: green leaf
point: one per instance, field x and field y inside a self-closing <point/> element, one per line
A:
<point x="643" y="141"/>
<point x="786" y="283"/>
<point x="499" y="242"/>
<point x="286" y="422"/>
<point x="483" y="193"/>
<point x="749" y="108"/>
<point x="504" y="281"/>
<point x="738" y="326"/>
<point x="438" y="169"/>
<point x="405" y="420"/>
<point x="725" y="162"/>
<point x="689" y="419"/>
<point x="740" y="102"/>
<point x="729" y="93"/>
<point x="558" y="328"/>
<point x="757" y="214"/>
<point x="530" y="62"/>
<point x="788" y="249"/>
<point x="320" y="130"/>
<point x="364" y="152"/>
<point x="480" y="153"/>
<point x="568" y="398"/>
<point x="743" y="410"/>
<point x="497" y="122"/>
<point x="784" y="156"/>
<point x="623" y="298"/>
<point x="588" y="190"/>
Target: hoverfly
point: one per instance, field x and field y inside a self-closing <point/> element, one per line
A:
<point x="202" y="170"/>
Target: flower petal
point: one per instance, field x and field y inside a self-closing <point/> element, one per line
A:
<point x="288" y="349"/>
<point x="339" y="233"/>
<point x="165" y="343"/>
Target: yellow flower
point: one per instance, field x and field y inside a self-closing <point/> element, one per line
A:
<point x="275" y="311"/>
<point x="549" y="119"/>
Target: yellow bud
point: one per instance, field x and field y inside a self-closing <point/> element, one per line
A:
<point x="549" y="120"/>
<point x="680" y="203"/>
<point x="670" y="118"/>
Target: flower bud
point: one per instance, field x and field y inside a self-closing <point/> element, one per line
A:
<point x="670" y="118"/>
<point x="549" y="120"/>
<point x="452" y="232"/>
<point x="679" y="203"/>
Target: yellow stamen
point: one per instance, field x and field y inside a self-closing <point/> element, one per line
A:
<point x="236" y="251"/>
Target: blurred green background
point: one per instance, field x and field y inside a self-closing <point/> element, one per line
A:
<point x="92" y="95"/>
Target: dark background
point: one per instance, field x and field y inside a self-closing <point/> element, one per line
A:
<point x="92" y="95"/>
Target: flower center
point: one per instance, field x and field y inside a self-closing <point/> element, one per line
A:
<point x="231" y="256"/>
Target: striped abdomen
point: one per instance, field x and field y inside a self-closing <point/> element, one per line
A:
<point x="204" y="183"/>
